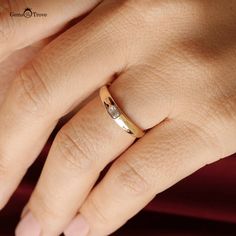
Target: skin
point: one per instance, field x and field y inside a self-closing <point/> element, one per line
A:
<point x="172" y="68"/>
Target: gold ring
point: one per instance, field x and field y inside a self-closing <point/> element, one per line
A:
<point x="117" y="115"/>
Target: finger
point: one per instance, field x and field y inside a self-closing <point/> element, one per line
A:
<point x="72" y="67"/>
<point x="28" y="114"/>
<point x="10" y="66"/>
<point x="84" y="147"/>
<point x="19" y="31"/>
<point x="167" y="154"/>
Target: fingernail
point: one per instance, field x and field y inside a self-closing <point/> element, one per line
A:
<point x="28" y="226"/>
<point x="78" y="227"/>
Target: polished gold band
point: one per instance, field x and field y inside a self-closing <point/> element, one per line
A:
<point x="117" y="115"/>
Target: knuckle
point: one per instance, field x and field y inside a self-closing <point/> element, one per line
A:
<point x="137" y="4"/>
<point x="44" y="208"/>
<point x="227" y="106"/>
<point x="142" y="10"/>
<point x="75" y="153"/>
<point x="196" y="52"/>
<point x="31" y="91"/>
<point x="132" y="179"/>
<point x="205" y="136"/>
<point x="98" y="212"/>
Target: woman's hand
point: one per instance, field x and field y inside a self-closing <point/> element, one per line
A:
<point x="172" y="68"/>
<point x="21" y="39"/>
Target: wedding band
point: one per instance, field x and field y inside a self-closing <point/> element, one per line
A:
<point x="117" y="115"/>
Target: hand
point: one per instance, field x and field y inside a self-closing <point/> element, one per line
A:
<point x="172" y="68"/>
<point x="20" y="40"/>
